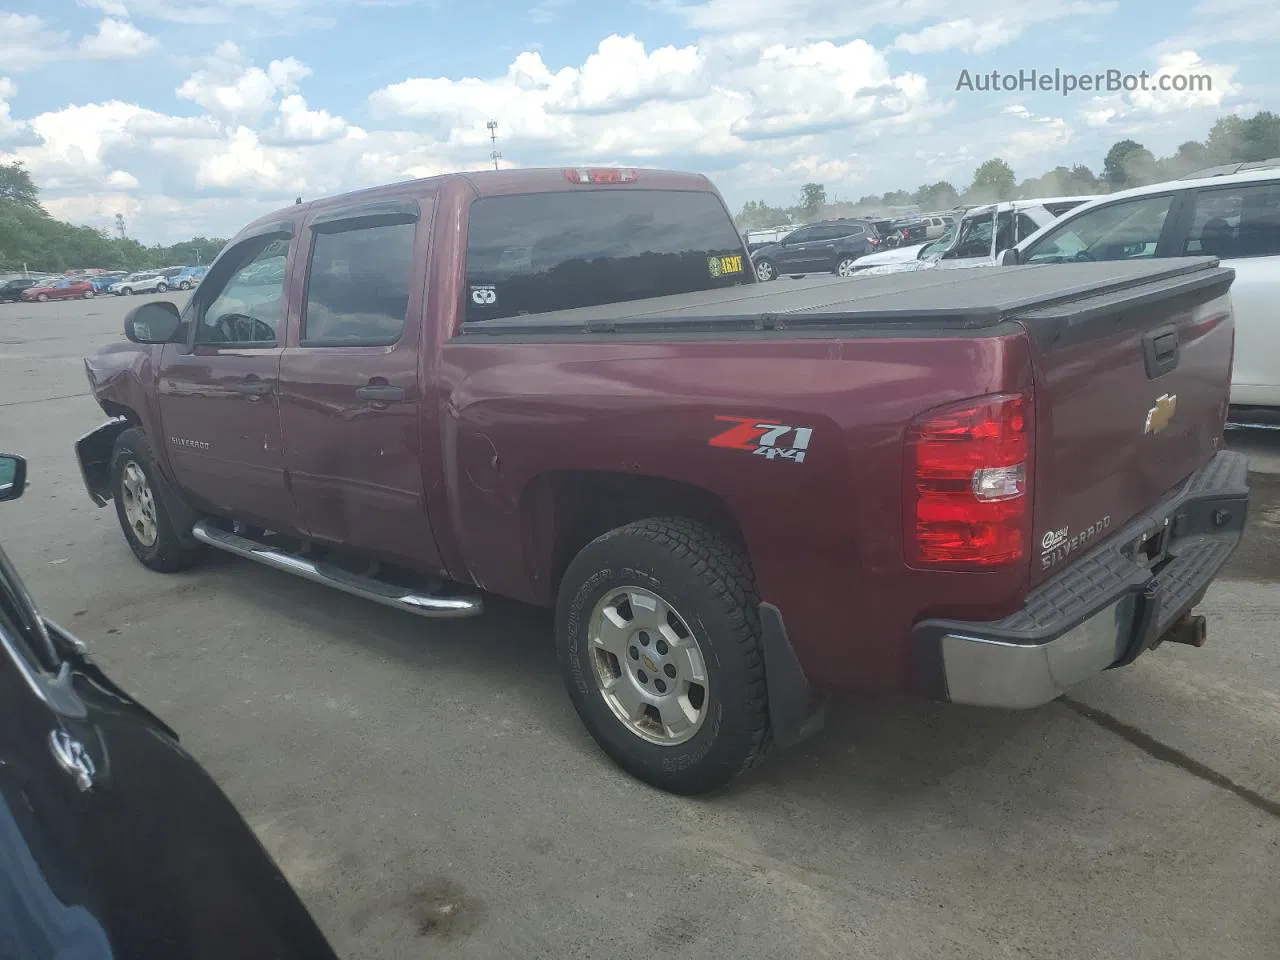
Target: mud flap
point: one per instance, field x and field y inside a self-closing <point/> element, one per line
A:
<point x="795" y="713"/>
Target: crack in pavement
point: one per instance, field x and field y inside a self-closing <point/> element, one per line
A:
<point x="65" y="396"/>
<point x="1172" y="755"/>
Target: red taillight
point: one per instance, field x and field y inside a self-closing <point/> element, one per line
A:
<point x="600" y="175"/>
<point x="874" y="243"/>
<point x="968" y="475"/>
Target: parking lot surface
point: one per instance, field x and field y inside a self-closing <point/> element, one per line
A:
<point x="430" y="792"/>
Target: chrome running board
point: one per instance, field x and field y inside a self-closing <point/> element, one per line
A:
<point x="401" y="598"/>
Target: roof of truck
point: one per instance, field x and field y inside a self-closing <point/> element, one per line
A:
<point x="493" y="183"/>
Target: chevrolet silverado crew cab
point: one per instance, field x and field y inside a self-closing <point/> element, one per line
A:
<point x="741" y="498"/>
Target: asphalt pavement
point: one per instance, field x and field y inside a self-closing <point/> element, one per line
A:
<point x="430" y="792"/>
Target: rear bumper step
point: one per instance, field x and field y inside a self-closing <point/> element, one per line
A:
<point x="388" y="594"/>
<point x="1102" y="611"/>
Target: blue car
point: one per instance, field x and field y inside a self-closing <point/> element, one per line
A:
<point x="102" y="281"/>
<point x="189" y="277"/>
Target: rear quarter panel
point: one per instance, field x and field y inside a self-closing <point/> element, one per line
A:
<point x="825" y="536"/>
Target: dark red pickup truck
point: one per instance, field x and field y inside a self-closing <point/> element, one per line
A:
<point x="566" y="387"/>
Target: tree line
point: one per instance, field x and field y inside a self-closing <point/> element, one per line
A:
<point x="32" y="240"/>
<point x="1232" y="139"/>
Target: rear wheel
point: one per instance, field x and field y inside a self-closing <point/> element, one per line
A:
<point x="143" y="517"/>
<point x="847" y="266"/>
<point x="185" y="285"/>
<point x="161" y="287"/>
<point x="765" y="271"/>
<point x="88" y="294"/>
<point x="658" y="634"/>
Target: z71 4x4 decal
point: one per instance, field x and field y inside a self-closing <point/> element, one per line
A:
<point x="763" y="438"/>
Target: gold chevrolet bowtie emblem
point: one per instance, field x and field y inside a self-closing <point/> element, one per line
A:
<point x="1158" y="417"/>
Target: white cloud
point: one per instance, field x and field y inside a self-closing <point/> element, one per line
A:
<point x="260" y="13"/>
<point x="624" y="102"/>
<point x="112" y="8"/>
<point x="962" y="34"/>
<point x="117" y="39"/>
<point x="27" y="42"/>
<point x="8" y="125"/>
<point x="243" y="161"/>
<point x="299" y="124"/>
<point x="286" y="74"/>
<point x="122" y="180"/>
<point x="74" y="142"/>
<point x="231" y="88"/>
<point x="1216" y="22"/>
<point x="1206" y="86"/>
<point x="756" y="21"/>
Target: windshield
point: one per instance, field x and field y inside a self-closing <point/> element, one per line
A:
<point x="941" y="245"/>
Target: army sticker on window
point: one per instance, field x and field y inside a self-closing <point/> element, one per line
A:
<point x="719" y="266"/>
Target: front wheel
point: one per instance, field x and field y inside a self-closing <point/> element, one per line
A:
<point x="126" y="292"/>
<point x="143" y="517"/>
<point x="765" y="271"/>
<point x="185" y="285"/>
<point x="88" y="294"/>
<point x="847" y="266"/>
<point x="658" y="635"/>
<point x="42" y="297"/>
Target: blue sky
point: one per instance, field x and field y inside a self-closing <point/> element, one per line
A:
<point x="191" y="116"/>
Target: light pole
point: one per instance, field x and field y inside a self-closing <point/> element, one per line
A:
<point x="493" y="138"/>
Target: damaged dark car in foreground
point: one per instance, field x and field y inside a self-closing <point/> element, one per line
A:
<point x="114" y="842"/>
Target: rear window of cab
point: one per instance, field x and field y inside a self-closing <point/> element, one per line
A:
<point x="540" y="252"/>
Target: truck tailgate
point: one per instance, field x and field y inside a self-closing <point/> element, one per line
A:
<point x="1131" y="394"/>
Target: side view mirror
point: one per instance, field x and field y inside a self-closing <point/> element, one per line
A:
<point x="1008" y="257"/>
<point x="155" y="322"/>
<point x="13" y="476"/>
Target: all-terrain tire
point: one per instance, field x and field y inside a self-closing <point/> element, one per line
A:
<point x="708" y="580"/>
<point x="166" y="554"/>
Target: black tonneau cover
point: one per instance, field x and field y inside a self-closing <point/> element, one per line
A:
<point x="962" y="299"/>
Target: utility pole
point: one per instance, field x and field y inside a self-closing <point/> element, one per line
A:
<point x="120" y="226"/>
<point x="493" y="138"/>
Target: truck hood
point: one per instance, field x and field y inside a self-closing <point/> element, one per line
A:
<point x="896" y="255"/>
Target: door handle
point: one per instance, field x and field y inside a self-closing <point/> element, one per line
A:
<point x="253" y="387"/>
<point x="382" y="393"/>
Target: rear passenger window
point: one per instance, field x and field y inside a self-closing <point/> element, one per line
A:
<point x="1237" y="221"/>
<point x="535" y="253"/>
<point x="358" y="286"/>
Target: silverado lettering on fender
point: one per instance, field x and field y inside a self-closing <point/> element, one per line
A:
<point x="566" y="388"/>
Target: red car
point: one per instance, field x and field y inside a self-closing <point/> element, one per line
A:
<point x="65" y="289"/>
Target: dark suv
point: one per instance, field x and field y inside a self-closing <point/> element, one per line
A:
<point x="12" y="289"/>
<point x="831" y="246"/>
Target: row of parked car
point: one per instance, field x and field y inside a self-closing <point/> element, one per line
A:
<point x="87" y="286"/>
<point x="1234" y="216"/>
<point x="833" y="246"/>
